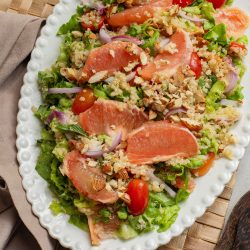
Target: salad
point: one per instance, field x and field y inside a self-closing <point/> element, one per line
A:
<point x="139" y="103"/>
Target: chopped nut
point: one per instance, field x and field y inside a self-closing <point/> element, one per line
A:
<point x="191" y="124"/>
<point x="107" y="169"/>
<point x="143" y="58"/>
<point x="152" y="115"/>
<point x="98" y="183"/>
<point x="69" y="73"/>
<point x="122" y="174"/>
<point x="125" y="197"/>
<point x="98" y="76"/>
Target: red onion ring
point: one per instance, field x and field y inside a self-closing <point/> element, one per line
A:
<point x="175" y="111"/>
<point x="104" y="36"/>
<point x="127" y="38"/>
<point x="153" y="177"/>
<point x="95" y="5"/>
<point x="64" y="90"/>
<point x="232" y="77"/>
<point x="193" y="19"/>
<point x="116" y="140"/>
<point x="60" y="116"/>
<point x="226" y="102"/>
<point x="130" y="76"/>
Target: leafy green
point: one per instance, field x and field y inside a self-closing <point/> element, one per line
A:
<point x="126" y="232"/>
<point x="61" y="149"/>
<point x="207" y="11"/>
<point x="229" y="2"/>
<point x="217" y="35"/>
<point x="243" y="40"/>
<point x="79" y="220"/>
<point x="214" y="96"/>
<point x="145" y="32"/>
<point x="181" y="195"/>
<point x="208" y="143"/>
<point x="108" y="2"/>
<point x="72" y="24"/>
<point x="74" y="128"/>
<point x="239" y="64"/>
<point x="160" y="213"/>
<point x="193" y="10"/>
<point x="236" y="94"/>
<point x="42" y="112"/>
<point x="43" y="165"/>
<point x="104" y="215"/>
<point x="122" y="214"/>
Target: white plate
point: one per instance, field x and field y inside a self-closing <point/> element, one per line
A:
<point x="38" y="194"/>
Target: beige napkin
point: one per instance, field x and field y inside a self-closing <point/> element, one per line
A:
<point x="17" y="37"/>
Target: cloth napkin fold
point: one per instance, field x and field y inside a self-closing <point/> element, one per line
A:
<point x="17" y="37"/>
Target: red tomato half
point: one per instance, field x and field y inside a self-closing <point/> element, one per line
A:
<point x="195" y="64"/>
<point x="183" y="3"/>
<point x="92" y="20"/>
<point x="217" y="3"/>
<point x="138" y="192"/>
<point x="84" y="100"/>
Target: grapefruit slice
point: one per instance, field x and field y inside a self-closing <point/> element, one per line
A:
<point x="105" y="117"/>
<point x="139" y="14"/>
<point x="160" y="141"/>
<point x="167" y="63"/>
<point x="111" y="57"/>
<point x="87" y="180"/>
<point x="236" y="21"/>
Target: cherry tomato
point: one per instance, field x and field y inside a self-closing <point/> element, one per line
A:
<point x="92" y="20"/>
<point x="183" y="3"/>
<point x="179" y="183"/>
<point x="138" y="192"/>
<point x="206" y="166"/>
<point x="217" y="3"/>
<point x="84" y="100"/>
<point x="195" y="64"/>
<point x="237" y="45"/>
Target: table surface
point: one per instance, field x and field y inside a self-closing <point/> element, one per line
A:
<point x="205" y="232"/>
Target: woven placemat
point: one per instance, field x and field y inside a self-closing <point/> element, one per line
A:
<point x="205" y="232"/>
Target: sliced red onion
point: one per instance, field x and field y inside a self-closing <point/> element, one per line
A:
<point x="175" y="111"/>
<point x="60" y="116"/>
<point x="109" y="80"/>
<point x="104" y="36"/>
<point x="127" y="38"/>
<point x="65" y="90"/>
<point x="232" y="77"/>
<point x="94" y="153"/>
<point x="130" y="76"/>
<point x="97" y="5"/>
<point x="116" y="140"/>
<point x="153" y="177"/>
<point x="226" y="102"/>
<point x="193" y="19"/>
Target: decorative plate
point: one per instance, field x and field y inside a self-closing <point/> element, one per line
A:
<point x="37" y="191"/>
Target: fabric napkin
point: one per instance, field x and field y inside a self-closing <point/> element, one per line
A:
<point x="17" y="37"/>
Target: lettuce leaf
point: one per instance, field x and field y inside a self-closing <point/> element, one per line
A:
<point x="160" y="214"/>
<point x="74" y="128"/>
<point x="217" y="35"/>
<point x="214" y="96"/>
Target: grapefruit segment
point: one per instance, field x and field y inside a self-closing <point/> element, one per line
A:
<point x="105" y="117"/>
<point x="138" y="14"/>
<point x="87" y="180"/>
<point x="167" y="63"/>
<point x="160" y="141"/>
<point x="236" y="21"/>
<point x="111" y="57"/>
